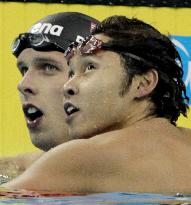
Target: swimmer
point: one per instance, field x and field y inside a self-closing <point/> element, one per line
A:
<point x="43" y="69"/>
<point x="122" y="99"/>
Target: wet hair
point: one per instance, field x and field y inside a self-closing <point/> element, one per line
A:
<point x="151" y="50"/>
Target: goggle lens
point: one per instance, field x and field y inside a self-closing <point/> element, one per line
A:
<point x="92" y="45"/>
<point x="37" y="41"/>
<point x="89" y="46"/>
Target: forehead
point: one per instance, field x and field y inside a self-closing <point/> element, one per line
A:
<point x="102" y="37"/>
<point x="101" y="58"/>
<point x="98" y="55"/>
<point x="29" y="55"/>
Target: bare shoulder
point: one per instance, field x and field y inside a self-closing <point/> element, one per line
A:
<point x="72" y="166"/>
<point x="25" y="160"/>
<point x="13" y="166"/>
<point x="9" y="169"/>
<point x="158" y="127"/>
<point x="185" y="131"/>
<point x="85" y="153"/>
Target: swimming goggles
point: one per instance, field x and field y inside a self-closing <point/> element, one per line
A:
<point x="91" y="45"/>
<point x="36" y="41"/>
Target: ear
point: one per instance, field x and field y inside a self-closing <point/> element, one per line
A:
<point x="146" y="83"/>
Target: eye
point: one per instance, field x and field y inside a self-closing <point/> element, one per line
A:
<point x="23" y="70"/>
<point x="90" y="67"/>
<point x="50" y="68"/>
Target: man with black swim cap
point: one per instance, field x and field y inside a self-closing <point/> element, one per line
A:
<point x="41" y="62"/>
<point x="55" y="32"/>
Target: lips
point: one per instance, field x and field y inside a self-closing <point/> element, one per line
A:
<point x="33" y="115"/>
<point x="70" y="109"/>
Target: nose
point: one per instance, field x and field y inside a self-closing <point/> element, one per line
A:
<point x="70" y="88"/>
<point x="27" y="86"/>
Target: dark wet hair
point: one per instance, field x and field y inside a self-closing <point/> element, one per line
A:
<point x="155" y="51"/>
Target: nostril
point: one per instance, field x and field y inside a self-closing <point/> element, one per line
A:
<point x="71" y="92"/>
<point x="27" y="90"/>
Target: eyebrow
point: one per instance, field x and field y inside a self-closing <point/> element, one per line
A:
<point x="37" y="60"/>
<point x="93" y="57"/>
<point x="85" y="58"/>
<point x="44" y="60"/>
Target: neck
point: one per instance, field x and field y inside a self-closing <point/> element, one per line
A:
<point x="140" y="111"/>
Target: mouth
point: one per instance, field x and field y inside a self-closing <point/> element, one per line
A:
<point x="70" y="109"/>
<point x="32" y="114"/>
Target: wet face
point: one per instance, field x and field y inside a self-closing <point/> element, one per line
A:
<point x="93" y="101"/>
<point x="43" y="75"/>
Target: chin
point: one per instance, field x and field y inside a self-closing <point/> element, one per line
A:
<point x="43" y="145"/>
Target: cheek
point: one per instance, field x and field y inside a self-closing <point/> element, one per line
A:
<point x="106" y="81"/>
<point x="100" y="93"/>
<point x="56" y="85"/>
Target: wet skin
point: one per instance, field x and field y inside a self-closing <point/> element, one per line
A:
<point x="43" y="75"/>
<point x="137" y="154"/>
<point x="95" y="85"/>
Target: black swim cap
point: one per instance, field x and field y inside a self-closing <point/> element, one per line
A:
<point x="64" y="28"/>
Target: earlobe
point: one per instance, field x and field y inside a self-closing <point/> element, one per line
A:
<point x="147" y="83"/>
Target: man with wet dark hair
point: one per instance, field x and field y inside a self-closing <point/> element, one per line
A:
<point x="123" y="96"/>
<point x="41" y="62"/>
<point x="169" y="96"/>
